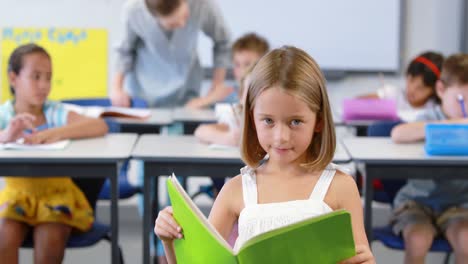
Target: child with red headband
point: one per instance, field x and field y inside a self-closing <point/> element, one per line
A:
<point x="421" y="77"/>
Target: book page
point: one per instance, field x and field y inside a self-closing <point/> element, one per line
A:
<point x="126" y="112"/>
<point x="111" y="111"/>
<point x="19" y="145"/>
<point x="199" y="213"/>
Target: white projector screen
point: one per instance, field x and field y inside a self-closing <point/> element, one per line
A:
<point x="341" y="35"/>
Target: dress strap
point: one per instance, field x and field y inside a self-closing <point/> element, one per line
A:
<point x="323" y="183"/>
<point x="249" y="186"/>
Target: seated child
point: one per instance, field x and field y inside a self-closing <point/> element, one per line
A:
<point x="421" y="77"/>
<point x="425" y="209"/>
<point x="246" y="51"/>
<point x="227" y="130"/>
<point x="49" y="208"/>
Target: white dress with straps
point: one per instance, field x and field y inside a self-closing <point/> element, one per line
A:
<point x="256" y="218"/>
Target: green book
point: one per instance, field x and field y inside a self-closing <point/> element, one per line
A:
<point x="326" y="238"/>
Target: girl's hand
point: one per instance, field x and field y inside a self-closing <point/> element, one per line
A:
<point x="363" y="256"/>
<point x="16" y="127"/>
<point x="165" y="226"/>
<point x="43" y="137"/>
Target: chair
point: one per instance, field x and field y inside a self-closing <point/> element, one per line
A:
<point x="98" y="231"/>
<point x="126" y="190"/>
<point x="386" y="191"/>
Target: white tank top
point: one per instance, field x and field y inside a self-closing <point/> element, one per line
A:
<point x="256" y="218"/>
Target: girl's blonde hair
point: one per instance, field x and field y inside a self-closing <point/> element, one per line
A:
<point x="295" y="72"/>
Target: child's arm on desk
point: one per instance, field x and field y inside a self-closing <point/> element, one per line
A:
<point x="78" y="126"/>
<point x="368" y="96"/>
<point x="410" y="132"/>
<point x="15" y="128"/>
<point x="415" y="131"/>
<point x="217" y="134"/>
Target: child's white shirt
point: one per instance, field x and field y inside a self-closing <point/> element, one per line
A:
<point x="226" y="114"/>
<point x="405" y="111"/>
<point x="256" y="218"/>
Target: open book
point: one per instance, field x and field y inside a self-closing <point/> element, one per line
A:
<point x="110" y="111"/>
<point x="324" y="239"/>
<point x="19" y="145"/>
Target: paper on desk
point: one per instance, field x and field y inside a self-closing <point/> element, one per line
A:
<point x="21" y="146"/>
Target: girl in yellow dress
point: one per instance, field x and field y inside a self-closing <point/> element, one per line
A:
<point x="49" y="208"/>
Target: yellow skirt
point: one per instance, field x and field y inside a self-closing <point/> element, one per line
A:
<point x="45" y="200"/>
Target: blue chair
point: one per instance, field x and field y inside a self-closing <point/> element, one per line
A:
<point x="126" y="190"/>
<point x="389" y="187"/>
<point x="388" y="193"/>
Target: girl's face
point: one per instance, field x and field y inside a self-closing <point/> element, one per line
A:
<point x="417" y="92"/>
<point x="450" y="104"/>
<point x="284" y="124"/>
<point x="32" y="83"/>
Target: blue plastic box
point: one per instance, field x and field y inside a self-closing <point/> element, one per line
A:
<point x="447" y="139"/>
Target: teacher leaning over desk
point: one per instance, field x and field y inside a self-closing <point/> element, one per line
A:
<point x="157" y="57"/>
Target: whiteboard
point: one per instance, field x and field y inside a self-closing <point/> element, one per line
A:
<point x="348" y="35"/>
<point x="341" y="35"/>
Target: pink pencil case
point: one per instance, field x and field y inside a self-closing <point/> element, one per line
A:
<point x="369" y="109"/>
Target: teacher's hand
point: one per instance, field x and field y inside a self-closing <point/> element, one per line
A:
<point x="120" y="98"/>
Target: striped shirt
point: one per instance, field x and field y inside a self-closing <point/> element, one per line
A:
<point x="55" y="113"/>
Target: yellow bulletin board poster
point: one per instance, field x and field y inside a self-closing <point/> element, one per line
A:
<point x="79" y="59"/>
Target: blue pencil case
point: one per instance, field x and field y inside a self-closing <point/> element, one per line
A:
<point x="447" y="139"/>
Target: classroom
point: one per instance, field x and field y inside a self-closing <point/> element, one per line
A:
<point x="218" y="131"/>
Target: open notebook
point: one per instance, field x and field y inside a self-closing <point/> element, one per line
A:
<point x="19" y="145"/>
<point x="323" y="239"/>
<point x="110" y="111"/>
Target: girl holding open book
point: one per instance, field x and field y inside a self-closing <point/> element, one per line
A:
<point x="49" y="208"/>
<point x="288" y="143"/>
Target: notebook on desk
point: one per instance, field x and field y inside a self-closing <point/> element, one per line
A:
<point x="19" y="145"/>
<point x="369" y="109"/>
<point x="110" y="111"/>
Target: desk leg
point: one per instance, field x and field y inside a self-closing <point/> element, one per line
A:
<point x="154" y="213"/>
<point x="146" y="216"/>
<point x="115" y="218"/>
<point x="368" y="195"/>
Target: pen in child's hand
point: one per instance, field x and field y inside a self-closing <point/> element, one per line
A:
<point x="462" y="105"/>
